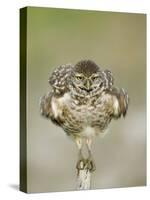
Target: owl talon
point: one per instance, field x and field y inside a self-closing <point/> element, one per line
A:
<point x="80" y="164"/>
<point x="86" y="164"/>
<point x="91" y="165"/>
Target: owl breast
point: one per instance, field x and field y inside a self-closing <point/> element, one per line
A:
<point x="87" y="119"/>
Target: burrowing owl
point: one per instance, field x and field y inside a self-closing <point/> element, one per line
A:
<point x="83" y="101"/>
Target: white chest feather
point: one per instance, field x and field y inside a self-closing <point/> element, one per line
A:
<point x="58" y="103"/>
<point x="116" y="105"/>
<point x="55" y="108"/>
<point x="88" y="132"/>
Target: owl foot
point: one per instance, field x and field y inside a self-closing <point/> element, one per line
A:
<point x="91" y="165"/>
<point x="86" y="164"/>
<point x="81" y="164"/>
<point x="90" y="161"/>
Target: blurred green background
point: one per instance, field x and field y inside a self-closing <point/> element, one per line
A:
<point x="115" y="41"/>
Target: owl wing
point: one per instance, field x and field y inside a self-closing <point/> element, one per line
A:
<point x="46" y="107"/>
<point x="59" y="79"/>
<point x="120" y="101"/>
<point x="59" y="82"/>
<point x="108" y="79"/>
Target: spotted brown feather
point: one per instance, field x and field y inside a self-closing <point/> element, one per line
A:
<point x="58" y="79"/>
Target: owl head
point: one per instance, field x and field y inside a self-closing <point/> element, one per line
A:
<point x="87" y="77"/>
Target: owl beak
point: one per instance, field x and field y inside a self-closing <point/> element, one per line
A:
<point x="87" y="84"/>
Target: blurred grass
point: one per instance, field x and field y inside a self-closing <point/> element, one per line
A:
<point x="116" y="41"/>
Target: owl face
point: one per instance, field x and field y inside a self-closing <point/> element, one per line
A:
<point x="87" y="83"/>
<point x="87" y="77"/>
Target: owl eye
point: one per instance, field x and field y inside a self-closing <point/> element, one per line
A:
<point x="95" y="78"/>
<point x="79" y="78"/>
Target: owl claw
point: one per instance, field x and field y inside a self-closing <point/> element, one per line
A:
<point x="81" y="164"/>
<point x="91" y="165"/>
<point x="86" y="164"/>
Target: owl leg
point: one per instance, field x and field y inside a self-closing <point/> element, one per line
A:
<point x="81" y="161"/>
<point x="90" y="162"/>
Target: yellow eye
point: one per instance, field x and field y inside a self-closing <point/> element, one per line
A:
<point x="95" y="78"/>
<point x="79" y="77"/>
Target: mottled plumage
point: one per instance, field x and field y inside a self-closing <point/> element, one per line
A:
<point x="83" y="100"/>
